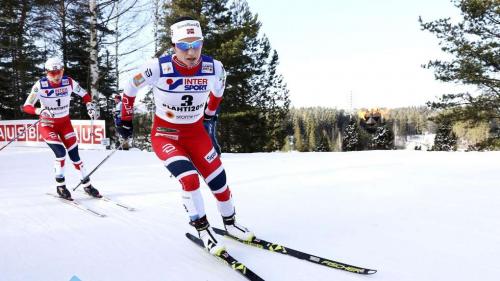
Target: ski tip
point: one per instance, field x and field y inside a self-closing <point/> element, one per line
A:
<point x="98" y="214"/>
<point x="370" y="271"/>
<point x="195" y="239"/>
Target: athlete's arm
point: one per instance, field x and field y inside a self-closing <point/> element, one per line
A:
<point x="29" y="104"/>
<point x="92" y="109"/>
<point x="215" y="96"/>
<point x="147" y="74"/>
<point x="77" y="89"/>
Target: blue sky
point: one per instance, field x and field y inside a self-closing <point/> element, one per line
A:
<point x="373" y="49"/>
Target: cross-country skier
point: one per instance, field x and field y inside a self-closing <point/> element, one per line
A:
<point x="122" y="133"/>
<point x="117" y="109"/>
<point x="54" y="93"/>
<point x="182" y="84"/>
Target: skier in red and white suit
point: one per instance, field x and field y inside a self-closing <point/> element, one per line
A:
<point x="54" y="93"/>
<point x="187" y="89"/>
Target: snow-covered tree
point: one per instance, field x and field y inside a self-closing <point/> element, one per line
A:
<point x="383" y="138"/>
<point x="446" y="139"/>
<point x="351" y="138"/>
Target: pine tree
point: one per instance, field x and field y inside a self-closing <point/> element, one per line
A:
<point x="148" y="101"/>
<point x="297" y="135"/>
<point x="106" y="89"/>
<point x="145" y="122"/>
<point x="20" y="58"/>
<point x="311" y="133"/>
<point x="470" y="136"/>
<point x="323" y="143"/>
<point x="142" y="130"/>
<point x="272" y="100"/>
<point x="239" y="126"/>
<point x="446" y="139"/>
<point x="474" y="46"/>
<point x="383" y="138"/>
<point x="351" y="138"/>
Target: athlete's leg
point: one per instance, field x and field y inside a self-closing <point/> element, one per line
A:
<point x="52" y="139"/>
<point x="68" y="137"/>
<point x="180" y="166"/>
<point x="49" y="133"/>
<point x="167" y="146"/>
<point x="208" y="163"/>
<point x="70" y="141"/>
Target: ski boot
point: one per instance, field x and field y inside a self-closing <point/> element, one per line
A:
<point x="237" y="230"/>
<point x="62" y="190"/>
<point x="207" y="235"/>
<point x="89" y="189"/>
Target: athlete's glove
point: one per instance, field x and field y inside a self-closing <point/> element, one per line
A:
<point x="125" y="129"/>
<point x="93" y="111"/>
<point x="210" y="122"/>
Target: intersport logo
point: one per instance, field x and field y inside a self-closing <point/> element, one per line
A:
<point x="190" y="84"/>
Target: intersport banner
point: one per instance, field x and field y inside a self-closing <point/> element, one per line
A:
<point x="9" y="129"/>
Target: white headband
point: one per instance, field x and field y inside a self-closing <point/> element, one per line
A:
<point x="185" y="29"/>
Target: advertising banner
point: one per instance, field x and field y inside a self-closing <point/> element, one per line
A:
<point x="87" y="139"/>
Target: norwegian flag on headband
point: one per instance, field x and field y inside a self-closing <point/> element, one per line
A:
<point x="190" y="31"/>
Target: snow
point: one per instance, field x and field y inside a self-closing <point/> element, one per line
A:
<point x="413" y="215"/>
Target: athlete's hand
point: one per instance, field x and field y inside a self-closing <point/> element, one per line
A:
<point x="209" y="123"/>
<point x="93" y="111"/>
<point x="44" y="113"/>
<point x="125" y="129"/>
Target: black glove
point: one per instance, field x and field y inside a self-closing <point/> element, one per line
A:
<point x="210" y="124"/>
<point x="125" y="129"/>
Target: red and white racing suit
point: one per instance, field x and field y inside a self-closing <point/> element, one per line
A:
<point x="178" y="136"/>
<point x="57" y="131"/>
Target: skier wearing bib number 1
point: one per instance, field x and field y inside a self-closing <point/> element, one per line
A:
<point x="54" y="93"/>
<point x="187" y="89"/>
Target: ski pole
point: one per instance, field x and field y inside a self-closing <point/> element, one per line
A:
<point x="95" y="169"/>
<point x="96" y="109"/>
<point x="92" y="127"/>
<point x="20" y="134"/>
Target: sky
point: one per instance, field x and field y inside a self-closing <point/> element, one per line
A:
<point x="330" y="49"/>
<point x="354" y="54"/>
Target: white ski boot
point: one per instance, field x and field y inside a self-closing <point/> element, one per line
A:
<point x="236" y="229"/>
<point x="207" y="235"/>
